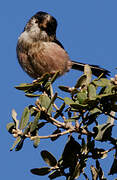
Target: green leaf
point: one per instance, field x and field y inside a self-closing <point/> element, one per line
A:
<point x="32" y="111"/>
<point x="51" y="103"/>
<point x="108" y="90"/>
<point x="24" y="118"/>
<point x="24" y="86"/>
<point x="91" y="91"/>
<point x="41" y="171"/>
<point x="49" y="158"/>
<point x="51" y="80"/>
<point x="70" y="152"/>
<point x="106" y="97"/>
<point x="59" y="111"/>
<point x="19" y="145"/>
<point x="32" y="95"/>
<point x="14" y="117"/>
<point x="18" y="139"/>
<point x="27" y="129"/>
<point x="65" y="88"/>
<point x="45" y="102"/>
<point x="81" y="81"/>
<point x="36" y="85"/>
<point x="102" y="82"/>
<point x="35" y="122"/>
<point x="78" y="106"/>
<point x="88" y="73"/>
<point x="36" y="142"/>
<point x="10" y="126"/>
<point x="95" y="111"/>
<point x="81" y="97"/>
<point x="55" y="174"/>
<point x="68" y="101"/>
<point x="103" y="132"/>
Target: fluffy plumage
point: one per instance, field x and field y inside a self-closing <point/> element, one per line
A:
<point x="39" y="51"/>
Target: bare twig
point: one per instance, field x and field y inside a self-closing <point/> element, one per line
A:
<point x="53" y="135"/>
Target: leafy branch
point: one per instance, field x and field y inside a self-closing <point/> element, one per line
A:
<point x="78" y="113"/>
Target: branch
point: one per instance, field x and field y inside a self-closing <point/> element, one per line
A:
<point x="52" y="135"/>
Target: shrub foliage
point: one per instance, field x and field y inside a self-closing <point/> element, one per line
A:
<point x="78" y="114"/>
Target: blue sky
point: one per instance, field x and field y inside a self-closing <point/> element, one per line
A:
<point x="88" y="31"/>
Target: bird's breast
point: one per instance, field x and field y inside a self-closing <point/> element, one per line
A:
<point x="38" y="58"/>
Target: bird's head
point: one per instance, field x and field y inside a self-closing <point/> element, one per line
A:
<point x="42" y="24"/>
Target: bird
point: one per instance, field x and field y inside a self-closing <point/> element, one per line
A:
<point x="40" y="52"/>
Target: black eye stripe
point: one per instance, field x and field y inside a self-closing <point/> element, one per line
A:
<point x="36" y="21"/>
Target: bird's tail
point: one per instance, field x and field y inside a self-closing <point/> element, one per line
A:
<point x="96" y="70"/>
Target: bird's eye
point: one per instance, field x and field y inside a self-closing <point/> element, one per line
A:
<point x="36" y="21"/>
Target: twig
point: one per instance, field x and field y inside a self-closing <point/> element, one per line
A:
<point x="111" y="149"/>
<point x="52" y="135"/>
